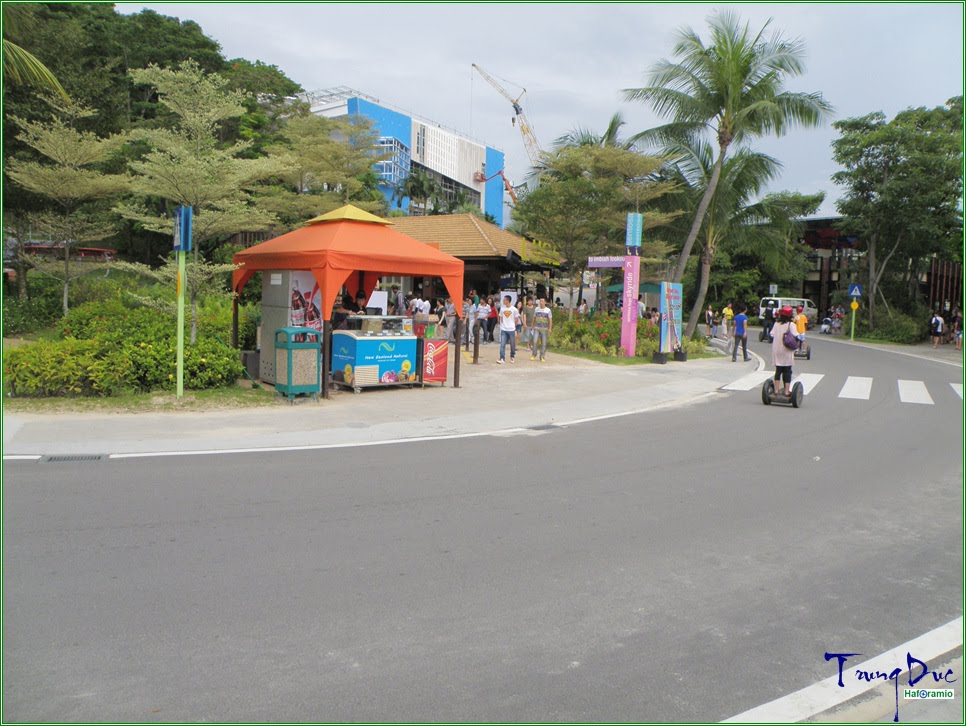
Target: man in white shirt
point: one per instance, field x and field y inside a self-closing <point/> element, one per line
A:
<point x="509" y="317"/>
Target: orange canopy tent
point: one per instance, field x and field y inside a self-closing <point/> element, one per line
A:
<point x="349" y="243"/>
<point x="345" y="241"/>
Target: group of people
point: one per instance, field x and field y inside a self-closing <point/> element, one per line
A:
<point x="947" y="328"/>
<point x="530" y="320"/>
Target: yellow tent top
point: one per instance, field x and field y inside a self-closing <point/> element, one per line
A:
<point x="350" y="213"/>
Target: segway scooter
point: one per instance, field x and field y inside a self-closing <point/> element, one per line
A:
<point x="804" y="351"/>
<point x="764" y="335"/>
<point x="770" y="395"/>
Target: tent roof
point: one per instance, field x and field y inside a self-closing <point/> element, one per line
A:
<point x="345" y="241"/>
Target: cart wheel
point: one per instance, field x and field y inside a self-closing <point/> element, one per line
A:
<point x="798" y="395"/>
<point x="761" y="337"/>
<point x="767" y="391"/>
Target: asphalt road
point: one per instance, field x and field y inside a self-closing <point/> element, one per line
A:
<point x="680" y="566"/>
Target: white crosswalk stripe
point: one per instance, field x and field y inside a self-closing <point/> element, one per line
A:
<point x="914" y="392"/>
<point x="856" y="387"/>
<point x="958" y="387"/>
<point x="749" y="381"/>
<point x="808" y="380"/>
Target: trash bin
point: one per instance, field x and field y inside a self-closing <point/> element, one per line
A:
<point x="298" y="362"/>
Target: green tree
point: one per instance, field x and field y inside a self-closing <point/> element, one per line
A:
<point x="736" y="218"/>
<point x="68" y="177"/>
<point x="581" y="136"/>
<point x="732" y="88"/>
<point x="419" y="187"/>
<point x="582" y="199"/>
<point x="19" y="65"/>
<point x="187" y="166"/>
<point x="903" y="186"/>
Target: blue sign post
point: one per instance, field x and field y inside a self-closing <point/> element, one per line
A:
<point x="182" y="244"/>
<point x="635" y="230"/>
<point x="855" y="292"/>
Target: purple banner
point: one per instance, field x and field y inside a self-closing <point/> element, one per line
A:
<point x="632" y="274"/>
<point x="614" y="261"/>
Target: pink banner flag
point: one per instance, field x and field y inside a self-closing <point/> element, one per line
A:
<point x="632" y="273"/>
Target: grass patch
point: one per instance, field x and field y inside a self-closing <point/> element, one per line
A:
<point x="219" y="399"/>
<point x="623" y="361"/>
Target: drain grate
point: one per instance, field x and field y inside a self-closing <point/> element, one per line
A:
<point x="73" y="458"/>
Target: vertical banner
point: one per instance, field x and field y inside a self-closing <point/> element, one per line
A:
<point x="670" y="316"/>
<point x="182" y="244"/>
<point x="635" y="230"/>
<point x="632" y="273"/>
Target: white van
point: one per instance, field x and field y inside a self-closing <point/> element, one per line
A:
<point x="807" y="306"/>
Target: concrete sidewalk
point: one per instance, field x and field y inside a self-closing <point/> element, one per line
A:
<point x="492" y="398"/>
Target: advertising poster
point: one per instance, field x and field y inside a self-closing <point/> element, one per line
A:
<point x="435" y="360"/>
<point x="373" y="361"/>
<point x="670" y="316"/>
<point x="305" y="302"/>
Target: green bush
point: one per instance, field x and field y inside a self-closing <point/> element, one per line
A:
<point x="110" y="348"/>
<point x="40" y="311"/>
<point x="895" y="328"/>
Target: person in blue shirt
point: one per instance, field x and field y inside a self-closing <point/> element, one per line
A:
<point x="741" y="334"/>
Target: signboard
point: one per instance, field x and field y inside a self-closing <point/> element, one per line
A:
<point x="373" y="361"/>
<point x="379" y="299"/>
<point x="854" y="305"/>
<point x="670" y="316"/>
<point x="611" y="261"/>
<point x="855" y="290"/>
<point x="435" y="360"/>
<point x="632" y="273"/>
<point x="635" y="229"/>
<point x="773" y="290"/>
<point x="182" y="229"/>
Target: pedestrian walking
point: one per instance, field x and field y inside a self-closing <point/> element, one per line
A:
<point x="528" y="309"/>
<point x="741" y="335"/>
<point x="728" y="314"/>
<point x="708" y="322"/>
<point x="542" y="327"/>
<point x="958" y="330"/>
<point x="483" y="315"/>
<point x="509" y="316"/>
<point x="936" y="327"/>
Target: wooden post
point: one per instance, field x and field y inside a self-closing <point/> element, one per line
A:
<point x="326" y="347"/>
<point x="457" y="353"/>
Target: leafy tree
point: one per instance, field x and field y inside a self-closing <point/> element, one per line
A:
<point x="903" y="188"/>
<point x="732" y="88"/>
<point x="19" y="65"/>
<point x="419" y="187"/>
<point x="581" y="202"/>
<point x="187" y="166"/>
<point x="581" y="136"/>
<point x="270" y="98"/>
<point x="68" y="177"/>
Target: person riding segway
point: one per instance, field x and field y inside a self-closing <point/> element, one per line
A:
<point x="801" y="325"/>
<point x="783" y="346"/>
<point x="767" y="322"/>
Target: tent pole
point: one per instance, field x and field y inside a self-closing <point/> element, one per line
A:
<point x="326" y="347"/>
<point x="457" y="353"/>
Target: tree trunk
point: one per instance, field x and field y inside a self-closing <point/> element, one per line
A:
<point x="194" y="320"/>
<point x="698" y="306"/>
<point x="872" y="278"/>
<point x="699" y="215"/>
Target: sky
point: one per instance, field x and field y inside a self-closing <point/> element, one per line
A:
<point x="575" y="60"/>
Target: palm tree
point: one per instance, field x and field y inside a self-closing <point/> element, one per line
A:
<point x="20" y="66"/>
<point x="419" y="187"/>
<point x="734" y="218"/>
<point x="732" y="87"/>
<point x="581" y="136"/>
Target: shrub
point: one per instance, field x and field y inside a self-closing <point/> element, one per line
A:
<point x="40" y="311"/>
<point x="895" y="328"/>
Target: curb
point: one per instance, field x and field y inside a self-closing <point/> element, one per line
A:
<point x="887" y="349"/>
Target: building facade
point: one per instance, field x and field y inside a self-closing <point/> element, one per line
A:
<point x="459" y="164"/>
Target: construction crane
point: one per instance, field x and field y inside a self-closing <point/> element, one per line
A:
<point x="481" y="178"/>
<point x="519" y="118"/>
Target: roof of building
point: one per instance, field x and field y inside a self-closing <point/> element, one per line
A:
<point x="468" y="237"/>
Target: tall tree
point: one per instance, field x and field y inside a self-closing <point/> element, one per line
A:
<point x="582" y="136"/>
<point x="903" y="187"/>
<point x="733" y="87"/>
<point x="187" y="165"/>
<point x="67" y="176"/>
<point x="584" y="194"/>
<point x="20" y="66"/>
<point x="736" y="217"/>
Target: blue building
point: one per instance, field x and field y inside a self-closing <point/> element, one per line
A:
<point x="458" y="163"/>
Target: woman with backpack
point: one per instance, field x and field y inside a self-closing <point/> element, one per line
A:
<point x="784" y="343"/>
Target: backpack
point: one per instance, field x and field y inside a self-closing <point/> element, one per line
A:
<point x="789" y="339"/>
<point x="937" y="325"/>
